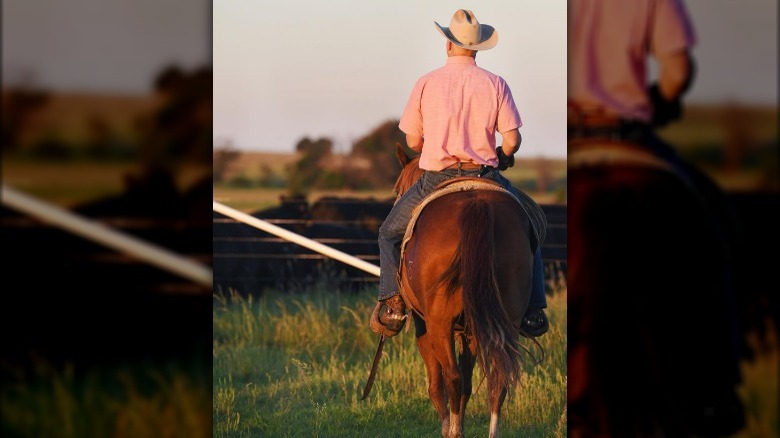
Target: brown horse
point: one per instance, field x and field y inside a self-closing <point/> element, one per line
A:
<point x="650" y="350"/>
<point x="466" y="275"/>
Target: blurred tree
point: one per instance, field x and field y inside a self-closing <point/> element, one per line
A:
<point x="180" y="129"/>
<point x="305" y="174"/>
<point x="223" y="156"/>
<point x="19" y="104"/>
<point x="373" y="157"/>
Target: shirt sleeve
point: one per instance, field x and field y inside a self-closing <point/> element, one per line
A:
<point x="411" y="119"/>
<point x="672" y="29"/>
<point x="508" y="115"/>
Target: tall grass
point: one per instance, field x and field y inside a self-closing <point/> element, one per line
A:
<point x="294" y="365"/>
<point x="138" y="400"/>
<point x="759" y="390"/>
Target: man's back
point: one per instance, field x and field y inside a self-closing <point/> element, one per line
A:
<point x="609" y="42"/>
<point x="458" y="108"/>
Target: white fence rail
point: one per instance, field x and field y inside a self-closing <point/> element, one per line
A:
<point x="296" y="238"/>
<point x="109" y="237"/>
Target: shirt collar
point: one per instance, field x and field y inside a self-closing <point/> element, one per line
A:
<point x="461" y="60"/>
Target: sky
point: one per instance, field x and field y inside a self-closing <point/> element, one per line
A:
<point x="338" y="69"/>
<point x="111" y="46"/>
<point x="284" y="70"/>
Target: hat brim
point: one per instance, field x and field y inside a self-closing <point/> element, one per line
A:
<point x="489" y="37"/>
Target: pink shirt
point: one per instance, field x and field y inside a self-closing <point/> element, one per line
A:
<point x="457" y="109"/>
<point x="608" y="44"/>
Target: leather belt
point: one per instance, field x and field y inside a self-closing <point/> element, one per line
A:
<point x="466" y="165"/>
<point x="623" y="130"/>
<point x="598" y="124"/>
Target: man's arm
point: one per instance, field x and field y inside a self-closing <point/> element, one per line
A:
<point x="415" y="142"/>
<point x="506" y="151"/>
<point x="512" y="139"/>
<point x="675" y="77"/>
<point x="676" y="73"/>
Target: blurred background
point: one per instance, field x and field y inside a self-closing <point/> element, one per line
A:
<point x="730" y="126"/>
<point x="728" y="132"/>
<point x="107" y="113"/>
<point x="106" y="119"/>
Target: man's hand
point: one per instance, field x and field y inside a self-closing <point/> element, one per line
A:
<point x="664" y="111"/>
<point x="504" y="161"/>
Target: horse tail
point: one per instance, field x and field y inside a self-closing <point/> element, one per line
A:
<point x="485" y="317"/>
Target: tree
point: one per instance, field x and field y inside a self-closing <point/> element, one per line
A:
<point x="19" y="104"/>
<point x="377" y="150"/>
<point x="309" y="171"/>
<point x="223" y="156"/>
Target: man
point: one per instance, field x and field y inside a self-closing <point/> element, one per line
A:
<point x="451" y="118"/>
<point x="609" y="49"/>
<point x="647" y="247"/>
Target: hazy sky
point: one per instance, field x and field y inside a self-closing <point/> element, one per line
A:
<point x="338" y="68"/>
<point x="284" y="70"/>
<point x="102" y="45"/>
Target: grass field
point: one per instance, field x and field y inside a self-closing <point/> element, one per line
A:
<point x="135" y="400"/>
<point x="250" y="165"/>
<point x="294" y="365"/>
<point x="69" y="184"/>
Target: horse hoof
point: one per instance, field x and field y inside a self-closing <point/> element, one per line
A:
<point x="445" y="428"/>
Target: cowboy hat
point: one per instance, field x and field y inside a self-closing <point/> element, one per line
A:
<point x="465" y="31"/>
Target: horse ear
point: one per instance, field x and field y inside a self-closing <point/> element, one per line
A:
<point x="401" y="154"/>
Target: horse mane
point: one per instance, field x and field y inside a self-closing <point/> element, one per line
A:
<point x="410" y="173"/>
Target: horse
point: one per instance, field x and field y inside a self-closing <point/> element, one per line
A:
<point x="465" y="274"/>
<point x="646" y="250"/>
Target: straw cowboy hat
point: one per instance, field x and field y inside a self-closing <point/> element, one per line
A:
<point x="465" y="31"/>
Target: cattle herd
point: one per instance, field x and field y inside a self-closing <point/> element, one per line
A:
<point x="249" y="260"/>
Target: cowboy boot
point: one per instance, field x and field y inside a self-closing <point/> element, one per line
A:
<point x="389" y="316"/>
<point x="534" y="323"/>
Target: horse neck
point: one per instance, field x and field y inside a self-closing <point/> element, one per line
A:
<point x="409" y="175"/>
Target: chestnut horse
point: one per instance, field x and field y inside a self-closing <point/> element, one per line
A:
<point x="650" y="347"/>
<point x="466" y="276"/>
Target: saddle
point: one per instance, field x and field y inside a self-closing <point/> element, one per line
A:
<point x="602" y="152"/>
<point x="533" y="211"/>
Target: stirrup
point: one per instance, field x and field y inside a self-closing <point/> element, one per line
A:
<point x="527" y="326"/>
<point x="390" y="329"/>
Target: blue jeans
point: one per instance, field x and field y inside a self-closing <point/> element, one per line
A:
<point x="392" y="231"/>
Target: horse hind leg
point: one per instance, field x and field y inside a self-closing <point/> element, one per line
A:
<point x="443" y="348"/>
<point x="496" y="394"/>
<point x="468" y="359"/>
<point x="435" y="381"/>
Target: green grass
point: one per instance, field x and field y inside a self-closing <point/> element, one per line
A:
<point x="759" y="389"/>
<point x="69" y="184"/>
<point x="294" y="365"/>
<point x="137" y="400"/>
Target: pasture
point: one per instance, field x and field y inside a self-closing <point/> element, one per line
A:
<point x="250" y="165"/>
<point x="133" y="400"/>
<point x="295" y="365"/>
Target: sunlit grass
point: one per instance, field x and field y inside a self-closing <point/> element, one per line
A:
<point x="133" y="401"/>
<point x="759" y="390"/>
<point x="296" y="365"/>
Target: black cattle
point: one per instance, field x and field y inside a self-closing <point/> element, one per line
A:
<point x="249" y="260"/>
<point x="67" y="298"/>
